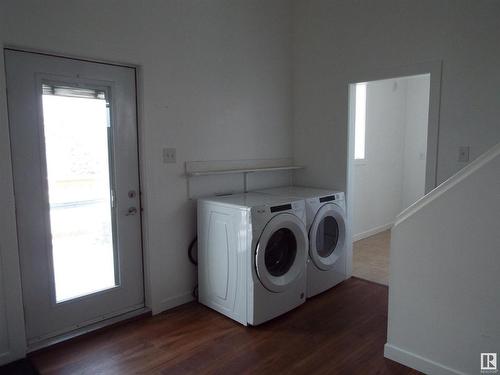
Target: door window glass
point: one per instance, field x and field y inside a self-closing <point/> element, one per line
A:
<point x="281" y="251"/>
<point x="77" y="144"/>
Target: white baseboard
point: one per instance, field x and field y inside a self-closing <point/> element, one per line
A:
<point x="417" y="362"/>
<point x="172" y="302"/>
<point x="372" y="232"/>
<point x="7" y="357"/>
<point x="125" y="315"/>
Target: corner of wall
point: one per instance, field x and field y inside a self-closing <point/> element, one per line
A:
<point x="172" y="302"/>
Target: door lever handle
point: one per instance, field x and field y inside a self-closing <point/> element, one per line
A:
<point x="131" y="211"/>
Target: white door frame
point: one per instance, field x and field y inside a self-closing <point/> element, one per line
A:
<point x="10" y="273"/>
<point x="434" y="68"/>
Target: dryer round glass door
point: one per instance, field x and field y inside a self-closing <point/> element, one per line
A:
<point x="281" y="252"/>
<point x="327" y="236"/>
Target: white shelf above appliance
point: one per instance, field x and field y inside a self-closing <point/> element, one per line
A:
<point x="195" y="169"/>
<point x="246" y="170"/>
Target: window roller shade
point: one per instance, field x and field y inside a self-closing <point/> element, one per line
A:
<point x="73" y="92"/>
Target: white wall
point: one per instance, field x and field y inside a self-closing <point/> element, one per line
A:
<point x="215" y="82"/>
<point x="336" y="42"/>
<point x="392" y="176"/>
<point x="377" y="181"/>
<point x="445" y="274"/>
<point x="415" y="140"/>
<point x="4" y="343"/>
<point x="4" y="339"/>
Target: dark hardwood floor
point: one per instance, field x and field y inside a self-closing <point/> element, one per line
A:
<point x="342" y="331"/>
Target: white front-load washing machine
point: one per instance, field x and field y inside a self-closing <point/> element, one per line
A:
<point x="252" y="252"/>
<point x="326" y="227"/>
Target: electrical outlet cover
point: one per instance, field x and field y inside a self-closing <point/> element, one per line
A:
<point x="169" y="155"/>
<point x="463" y="154"/>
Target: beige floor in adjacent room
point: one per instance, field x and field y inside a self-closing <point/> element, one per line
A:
<point x="371" y="258"/>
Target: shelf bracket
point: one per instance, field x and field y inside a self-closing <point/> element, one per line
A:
<point x="245" y="182"/>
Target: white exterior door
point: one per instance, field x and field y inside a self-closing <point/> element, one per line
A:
<point x="73" y="130"/>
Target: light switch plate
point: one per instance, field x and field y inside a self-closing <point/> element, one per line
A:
<point x="169" y="155"/>
<point x="463" y="154"/>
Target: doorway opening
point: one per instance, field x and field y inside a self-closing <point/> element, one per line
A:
<point x="388" y="165"/>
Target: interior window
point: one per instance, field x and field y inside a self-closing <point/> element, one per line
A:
<point x="360" y="122"/>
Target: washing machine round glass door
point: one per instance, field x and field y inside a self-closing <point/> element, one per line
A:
<point x="281" y="252"/>
<point x="327" y="236"/>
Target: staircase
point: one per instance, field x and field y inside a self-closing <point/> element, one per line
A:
<point x="444" y="285"/>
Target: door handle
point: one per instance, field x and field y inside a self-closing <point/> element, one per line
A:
<point x="131" y="211"/>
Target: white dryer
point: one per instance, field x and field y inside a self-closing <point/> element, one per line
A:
<point x="252" y="251"/>
<point x="326" y="226"/>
